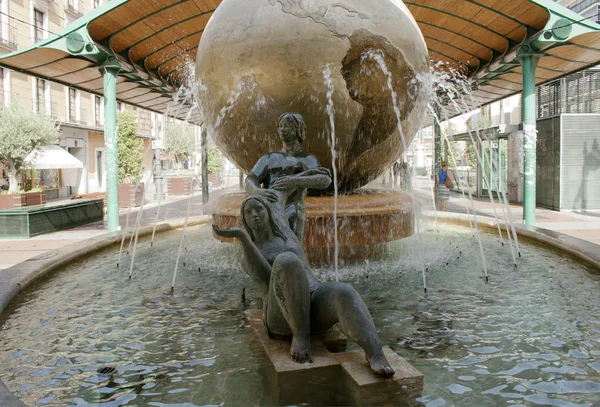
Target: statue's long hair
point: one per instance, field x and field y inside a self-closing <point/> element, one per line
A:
<point x="298" y="121"/>
<point x="277" y="231"/>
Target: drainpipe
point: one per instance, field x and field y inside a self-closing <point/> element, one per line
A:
<point x="110" y="70"/>
<point x="528" y="63"/>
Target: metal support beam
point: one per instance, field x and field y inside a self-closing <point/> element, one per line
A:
<point x="529" y="63"/>
<point x="204" y="153"/>
<point x="437" y="147"/>
<point x="110" y="70"/>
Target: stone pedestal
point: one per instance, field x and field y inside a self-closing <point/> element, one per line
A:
<point x="337" y="376"/>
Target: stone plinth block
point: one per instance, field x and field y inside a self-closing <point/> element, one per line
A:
<point x="334" y="368"/>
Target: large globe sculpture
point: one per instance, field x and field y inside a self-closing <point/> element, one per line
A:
<point x="260" y="58"/>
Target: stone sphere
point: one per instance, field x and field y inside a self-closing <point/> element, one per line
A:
<point x="258" y="59"/>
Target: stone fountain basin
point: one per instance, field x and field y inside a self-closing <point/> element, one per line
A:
<point x="366" y="223"/>
<point x="20" y="277"/>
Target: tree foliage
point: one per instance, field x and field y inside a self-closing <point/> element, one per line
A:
<point x="130" y="148"/>
<point x="215" y="159"/>
<point x="22" y="131"/>
<point x="471" y="155"/>
<point x="180" y="141"/>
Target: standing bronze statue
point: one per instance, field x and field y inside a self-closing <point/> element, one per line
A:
<point x="295" y="303"/>
<point x="280" y="170"/>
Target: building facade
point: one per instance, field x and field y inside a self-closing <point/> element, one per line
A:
<point x="568" y="152"/>
<point x="79" y="114"/>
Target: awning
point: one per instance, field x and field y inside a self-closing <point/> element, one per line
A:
<point x="155" y="42"/>
<point x="48" y="157"/>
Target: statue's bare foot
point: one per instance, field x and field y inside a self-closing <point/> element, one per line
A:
<point x="380" y="366"/>
<point x="300" y="350"/>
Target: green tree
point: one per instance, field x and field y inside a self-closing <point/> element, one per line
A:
<point x="215" y="159"/>
<point x="455" y="154"/>
<point x="471" y="155"/>
<point x="130" y="148"/>
<point x="180" y="141"/>
<point x="22" y="132"/>
<point x="448" y="129"/>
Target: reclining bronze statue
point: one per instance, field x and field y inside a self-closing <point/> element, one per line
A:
<point x="295" y="303"/>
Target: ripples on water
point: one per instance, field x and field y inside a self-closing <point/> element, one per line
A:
<point x="529" y="337"/>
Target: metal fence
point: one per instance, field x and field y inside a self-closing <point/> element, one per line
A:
<point x="464" y="179"/>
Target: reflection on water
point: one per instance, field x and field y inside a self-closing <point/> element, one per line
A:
<point x="89" y="336"/>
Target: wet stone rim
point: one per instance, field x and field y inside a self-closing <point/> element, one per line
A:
<point x="17" y="278"/>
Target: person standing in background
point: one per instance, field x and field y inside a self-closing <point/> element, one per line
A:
<point x="444" y="184"/>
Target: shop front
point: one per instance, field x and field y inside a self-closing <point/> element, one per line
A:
<point x="49" y="169"/>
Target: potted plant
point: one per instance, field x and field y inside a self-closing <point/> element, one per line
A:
<point x="180" y="142"/>
<point x="22" y="132"/>
<point x="20" y="198"/>
<point x="130" y="155"/>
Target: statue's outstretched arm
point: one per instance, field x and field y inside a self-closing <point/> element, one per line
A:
<point x="256" y="265"/>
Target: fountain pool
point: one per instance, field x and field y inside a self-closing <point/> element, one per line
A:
<point x="87" y="335"/>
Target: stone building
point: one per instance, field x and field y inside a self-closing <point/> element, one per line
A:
<point x="80" y="114"/>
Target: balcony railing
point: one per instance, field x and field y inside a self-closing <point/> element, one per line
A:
<point x="8" y="36"/>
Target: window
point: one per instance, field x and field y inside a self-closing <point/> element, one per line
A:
<point x="144" y="123"/>
<point x="72" y="105"/>
<point x="40" y="95"/>
<point x="98" y="111"/>
<point x="119" y="107"/>
<point x="96" y="3"/>
<point x="38" y="25"/>
<point x="73" y="6"/>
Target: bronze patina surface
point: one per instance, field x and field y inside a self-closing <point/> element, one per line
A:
<point x="260" y="58"/>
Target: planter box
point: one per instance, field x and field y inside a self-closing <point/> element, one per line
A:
<point x="128" y="196"/>
<point x="13" y="201"/>
<point x="35" y="198"/>
<point x="178" y="186"/>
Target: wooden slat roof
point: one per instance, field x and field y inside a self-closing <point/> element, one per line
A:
<point x="156" y="42"/>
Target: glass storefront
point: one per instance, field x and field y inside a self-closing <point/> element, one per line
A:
<point x="48" y="180"/>
<point x="494" y="178"/>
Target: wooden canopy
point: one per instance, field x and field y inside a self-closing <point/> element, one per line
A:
<point x="156" y="42"/>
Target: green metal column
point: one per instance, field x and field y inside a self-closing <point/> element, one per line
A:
<point x="110" y="70"/>
<point x="529" y="62"/>
<point x="437" y="148"/>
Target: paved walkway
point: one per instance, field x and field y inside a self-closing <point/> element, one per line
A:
<point x="13" y="251"/>
<point x="583" y="225"/>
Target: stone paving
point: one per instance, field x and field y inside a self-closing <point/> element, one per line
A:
<point x="584" y="226"/>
